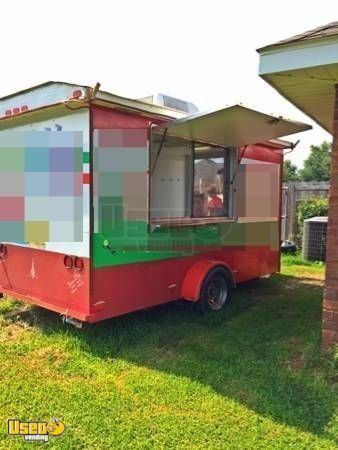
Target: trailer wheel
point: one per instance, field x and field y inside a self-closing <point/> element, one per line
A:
<point x="216" y="290"/>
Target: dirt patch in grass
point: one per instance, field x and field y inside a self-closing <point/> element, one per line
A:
<point x="13" y="332"/>
<point x="297" y="361"/>
<point x="45" y="359"/>
<point x="21" y="312"/>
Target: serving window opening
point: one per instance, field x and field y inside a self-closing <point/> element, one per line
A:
<point x="211" y="181"/>
<point x="189" y="180"/>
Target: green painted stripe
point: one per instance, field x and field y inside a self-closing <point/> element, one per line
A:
<point x="131" y="243"/>
<point x="85" y="157"/>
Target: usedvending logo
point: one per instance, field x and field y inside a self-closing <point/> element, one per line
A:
<point x="35" y="431"/>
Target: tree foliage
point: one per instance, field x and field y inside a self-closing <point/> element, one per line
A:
<point x="317" y="165"/>
<point x="312" y="207"/>
<point x="290" y="171"/>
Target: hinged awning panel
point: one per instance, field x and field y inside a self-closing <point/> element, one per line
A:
<point x="232" y="126"/>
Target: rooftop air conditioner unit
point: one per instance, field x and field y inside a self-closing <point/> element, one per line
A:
<point x="314" y="238"/>
<point x="171" y="102"/>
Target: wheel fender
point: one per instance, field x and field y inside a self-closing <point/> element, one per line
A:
<point x="195" y="276"/>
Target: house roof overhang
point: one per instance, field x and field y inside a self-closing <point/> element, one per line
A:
<point x="305" y="71"/>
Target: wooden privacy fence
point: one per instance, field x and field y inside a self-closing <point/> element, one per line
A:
<point x="293" y="192"/>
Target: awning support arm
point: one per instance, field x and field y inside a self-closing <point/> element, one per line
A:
<point x="159" y="149"/>
<point x="238" y="162"/>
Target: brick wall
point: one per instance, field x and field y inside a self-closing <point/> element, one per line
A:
<point x="330" y="301"/>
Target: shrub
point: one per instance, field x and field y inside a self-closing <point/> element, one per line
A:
<point x="306" y="209"/>
<point x="311" y="207"/>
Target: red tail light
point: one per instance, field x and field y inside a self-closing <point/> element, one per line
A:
<point x="3" y="251"/>
<point x="77" y="93"/>
<point x="78" y="264"/>
<point x="68" y="261"/>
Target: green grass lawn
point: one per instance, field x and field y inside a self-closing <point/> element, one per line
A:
<point x="251" y="377"/>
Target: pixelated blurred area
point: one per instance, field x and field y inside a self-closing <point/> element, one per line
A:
<point x="257" y="190"/>
<point x="41" y="187"/>
<point x="120" y="180"/>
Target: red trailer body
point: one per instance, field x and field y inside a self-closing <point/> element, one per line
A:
<point x="147" y="258"/>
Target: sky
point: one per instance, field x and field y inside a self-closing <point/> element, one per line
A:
<point x="201" y="51"/>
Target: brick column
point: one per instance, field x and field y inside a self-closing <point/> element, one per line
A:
<point x="330" y="301"/>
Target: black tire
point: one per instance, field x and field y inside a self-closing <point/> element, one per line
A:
<point x="216" y="290"/>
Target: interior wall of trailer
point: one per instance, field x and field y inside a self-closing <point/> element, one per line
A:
<point x="171" y="182"/>
<point x="77" y="121"/>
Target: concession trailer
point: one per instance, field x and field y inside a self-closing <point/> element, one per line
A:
<point x="109" y="205"/>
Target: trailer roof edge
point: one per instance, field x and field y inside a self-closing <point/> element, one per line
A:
<point x="104" y="96"/>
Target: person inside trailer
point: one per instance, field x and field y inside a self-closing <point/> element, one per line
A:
<point x="215" y="203"/>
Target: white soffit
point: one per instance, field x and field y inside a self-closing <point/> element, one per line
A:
<point x="306" y="74"/>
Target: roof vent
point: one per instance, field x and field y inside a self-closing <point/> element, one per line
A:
<point x="170" y="102"/>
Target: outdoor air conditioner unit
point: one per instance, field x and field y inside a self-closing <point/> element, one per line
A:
<point x="314" y="238"/>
